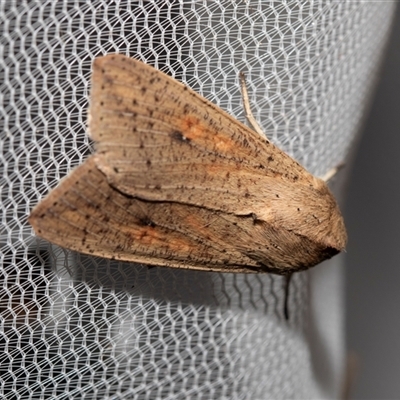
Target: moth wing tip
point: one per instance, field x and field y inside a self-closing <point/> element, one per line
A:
<point x="35" y="215"/>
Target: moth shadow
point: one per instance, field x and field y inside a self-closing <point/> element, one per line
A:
<point x="262" y="294"/>
<point x="148" y="282"/>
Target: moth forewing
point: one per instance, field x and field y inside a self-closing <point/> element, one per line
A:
<point x="176" y="181"/>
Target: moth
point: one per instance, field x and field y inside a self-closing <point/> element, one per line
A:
<point x="176" y="181"/>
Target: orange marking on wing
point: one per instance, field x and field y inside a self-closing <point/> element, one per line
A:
<point x="153" y="237"/>
<point x="146" y="235"/>
<point x="195" y="222"/>
<point x="193" y="129"/>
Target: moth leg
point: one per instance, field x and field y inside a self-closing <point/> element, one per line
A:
<point x="332" y="172"/>
<point x="288" y="277"/>
<point x="246" y="103"/>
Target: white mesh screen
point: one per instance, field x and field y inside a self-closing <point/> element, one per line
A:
<point x="74" y="326"/>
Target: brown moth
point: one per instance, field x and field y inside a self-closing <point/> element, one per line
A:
<point x="175" y="181"/>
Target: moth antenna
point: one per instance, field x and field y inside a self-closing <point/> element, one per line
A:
<point x="288" y="277"/>
<point x="332" y="172"/>
<point x="246" y="104"/>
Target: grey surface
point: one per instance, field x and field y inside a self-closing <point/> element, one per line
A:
<point x="82" y="327"/>
<point x="373" y="259"/>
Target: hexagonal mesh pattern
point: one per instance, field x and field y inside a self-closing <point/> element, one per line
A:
<point x="80" y="327"/>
